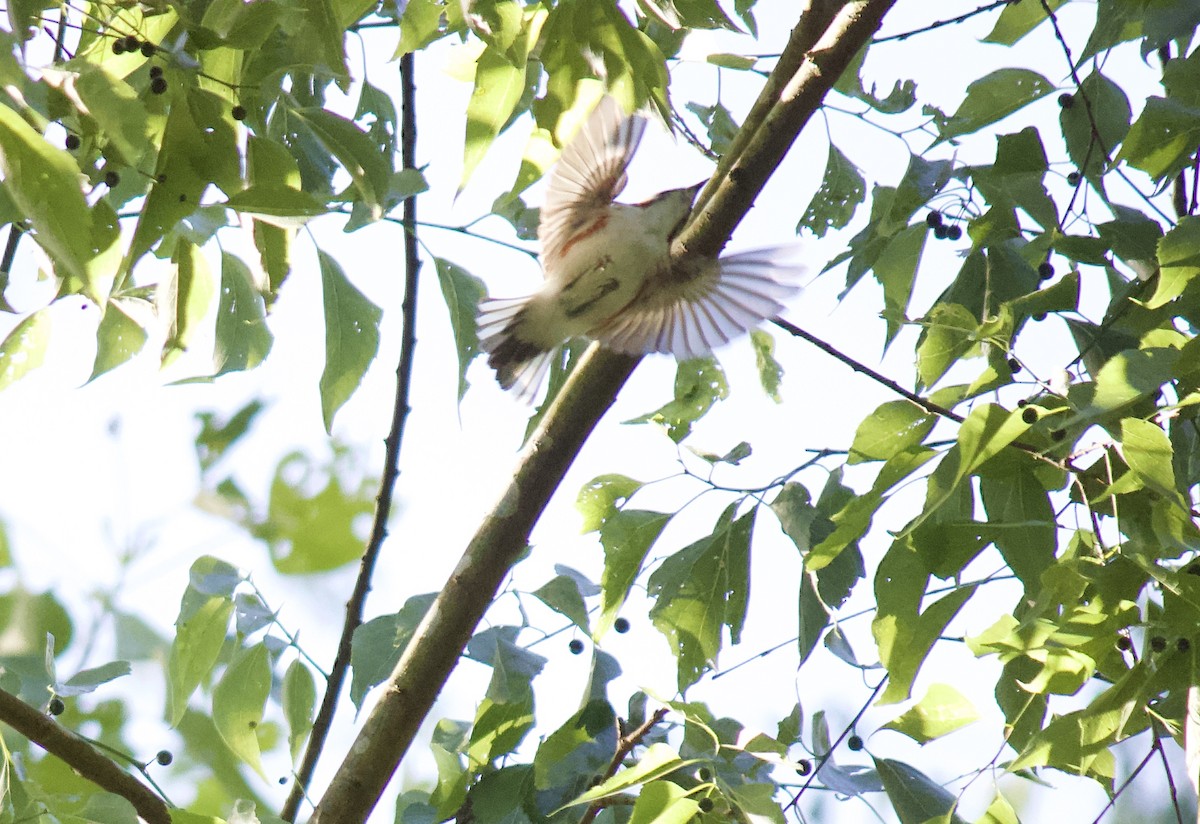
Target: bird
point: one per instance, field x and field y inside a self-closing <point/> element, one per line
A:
<point x="608" y="271"/>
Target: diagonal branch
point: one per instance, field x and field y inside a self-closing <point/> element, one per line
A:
<point x="435" y="647"/>
<point x="391" y="470"/>
<point x="81" y="757"/>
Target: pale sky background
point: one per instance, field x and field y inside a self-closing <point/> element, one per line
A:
<point x="97" y="470"/>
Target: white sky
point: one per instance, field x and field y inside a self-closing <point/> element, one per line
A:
<point x="95" y="470"/>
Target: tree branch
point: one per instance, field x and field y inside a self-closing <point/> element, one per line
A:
<point x="435" y="647"/>
<point x="81" y="757"/>
<point x="391" y="470"/>
<point x="625" y="745"/>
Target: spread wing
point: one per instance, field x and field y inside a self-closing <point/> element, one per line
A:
<point x="687" y="316"/>
<point x="589" y="176"/>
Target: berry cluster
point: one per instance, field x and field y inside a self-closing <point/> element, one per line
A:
<point x="940" y="230"/>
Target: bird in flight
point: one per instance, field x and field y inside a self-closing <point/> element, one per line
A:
<point x="608" y="271"/>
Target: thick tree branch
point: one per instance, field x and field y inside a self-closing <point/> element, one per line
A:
<point x="439" y="640"/>
<point x="81" y="757"/>
<point x="391" y="469"/>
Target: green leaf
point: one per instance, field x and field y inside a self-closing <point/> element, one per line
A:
<point x="661" y="802"/>
<point x="561" y="593"/>
<point x="119" y="111"/>
<point x="329" y="33"/>
<point x="626" y="536"/>
<point x="118" y="338"/>
<point x="658" y="760"/>
<point x="462" y="292"/>
<point x="1020" y="506"/>
<point x="701" y="590"/>
<point x="351" y="338"/>
<point x="994" y="98"/>
<point x="199" y="635"/>
<point x="379" y="643"/>
<point x="243" y="339"/>
<point x="238" y="702"/>
<point x="299" y="698"/>
<point x="1178" y="259"/>
<point x="1111" y="113"/>
<point x="1018" y="20"/>
<point x="369" y="169"/>
<point x="1148" y="451"/>
<point x="499" y="86"/>
<point x="277" y="205"/>
<point x="699" y="383"/>
<point x="185" y="298"/>
<point x="896" y="271"/>
<point x="309" y="531"/>
<point x="916" y="798"/>
<point x="893" y="427"/>
<point x="737" y="62"/>
<point x="499" y="728"/>
<point x="941" y="711"/>
<point x="25" y="348"/>
<point x="601" y="497"/>
<point x="1161" y="140"/>
<point x="949" y="335"/>
<point x="420" y="25"/>
<point x="841" y="192"/>
<point x="770" y="373"/>
<point x="44" y="182"/>
<point x="88" y="680"/>
<point x="199" y="149"/>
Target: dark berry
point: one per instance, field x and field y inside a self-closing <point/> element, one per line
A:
<point x="164" y="757"/>
<point x="156" y="71"/>
<point x="1014" y="365"/>
<point x="706" y="805"/>
<point x="118" y="46"/>
<point x="1045" y="270"/>
<point x="855" y="743"/>
<point x="1123" y="643"/>
<point x="1183" y="645"/>
<point x="621" y="625"/>
<point x="1158" y="643"/>
<point x="941" y="232"/>
<point x="72" y="142"/>
<point x="1040" y="316"/>
<point x="282" y="780"/>
<point x="1066" y="100"/>
<point x="132" y="44"/>
<point x="1022" y="403"/>
<point x="1192" y="569"/>
<point x="111" y="179"/>
<point x="158" y="85"/>
<point x="56" y="706"/>
<point x="148" y="49"/>
<point x="953" y="232"/>
<point x="576" y="646"/>
<point x="239" y="112"/>
<point x="1057" y="434"/>
<point x="803" y="766"/>
<point x="1073" y="178"/>
<point x="704" y="774"/>
<point x="933" y="219"/>
<point x="183" y="198"/>
<point x="1029" y="415"/>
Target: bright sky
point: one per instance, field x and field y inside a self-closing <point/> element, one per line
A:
<point x="108" y="468"/>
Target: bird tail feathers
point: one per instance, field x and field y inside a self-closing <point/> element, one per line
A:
<point x="520" y="365"/>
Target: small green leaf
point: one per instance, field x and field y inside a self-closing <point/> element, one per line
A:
<point x="661" y="802"/>
<point x="238" y="702"/>
<point x="916" y="797"/>
<point x="462" y="292"/>
<point x="893" y="427"/>
<point x="185" y="298"/>
<point x="277" y="205"/>
<point x="299" y="698"/>
<point x="841" y="192"/>
<point x="1161" y="140"/>
<point x="369" y="169"/>
<point x="561" y="593"/>
<point x="626" y="536"/>
<point x="25" y="348"/>
<point x="993" y="98"/>
<point x="1018" y="20"/>
<point x="89" y="679"/>
<point x="118" y="338"/>
<point x="351" y="338"/>
<point x="949" y="335"/>
<point x="700" y="591"/>
<point x="243" y="339"/>
<point x="658" y="760"/>
<point x="941" y="711"/>
<point x="770" y="373"/>
<point x="379" y="643"/>
<point x="199" y="635"/>
<point x="737" y="62"/>
<point x="499" y="86"/>
<point x="420" y="25"/>
<point x="1111" y="113"/>
<point x="1148" y="451"/>
<point x="699" y="383"/>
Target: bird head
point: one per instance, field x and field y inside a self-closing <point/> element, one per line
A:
<point x="668" y="211"/>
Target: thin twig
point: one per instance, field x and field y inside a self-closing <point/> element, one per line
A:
<point x="625" y="745"/>
<point x="81" y="757"/>
<point x="391" y="470"/>
<point x="940" y="23"/>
